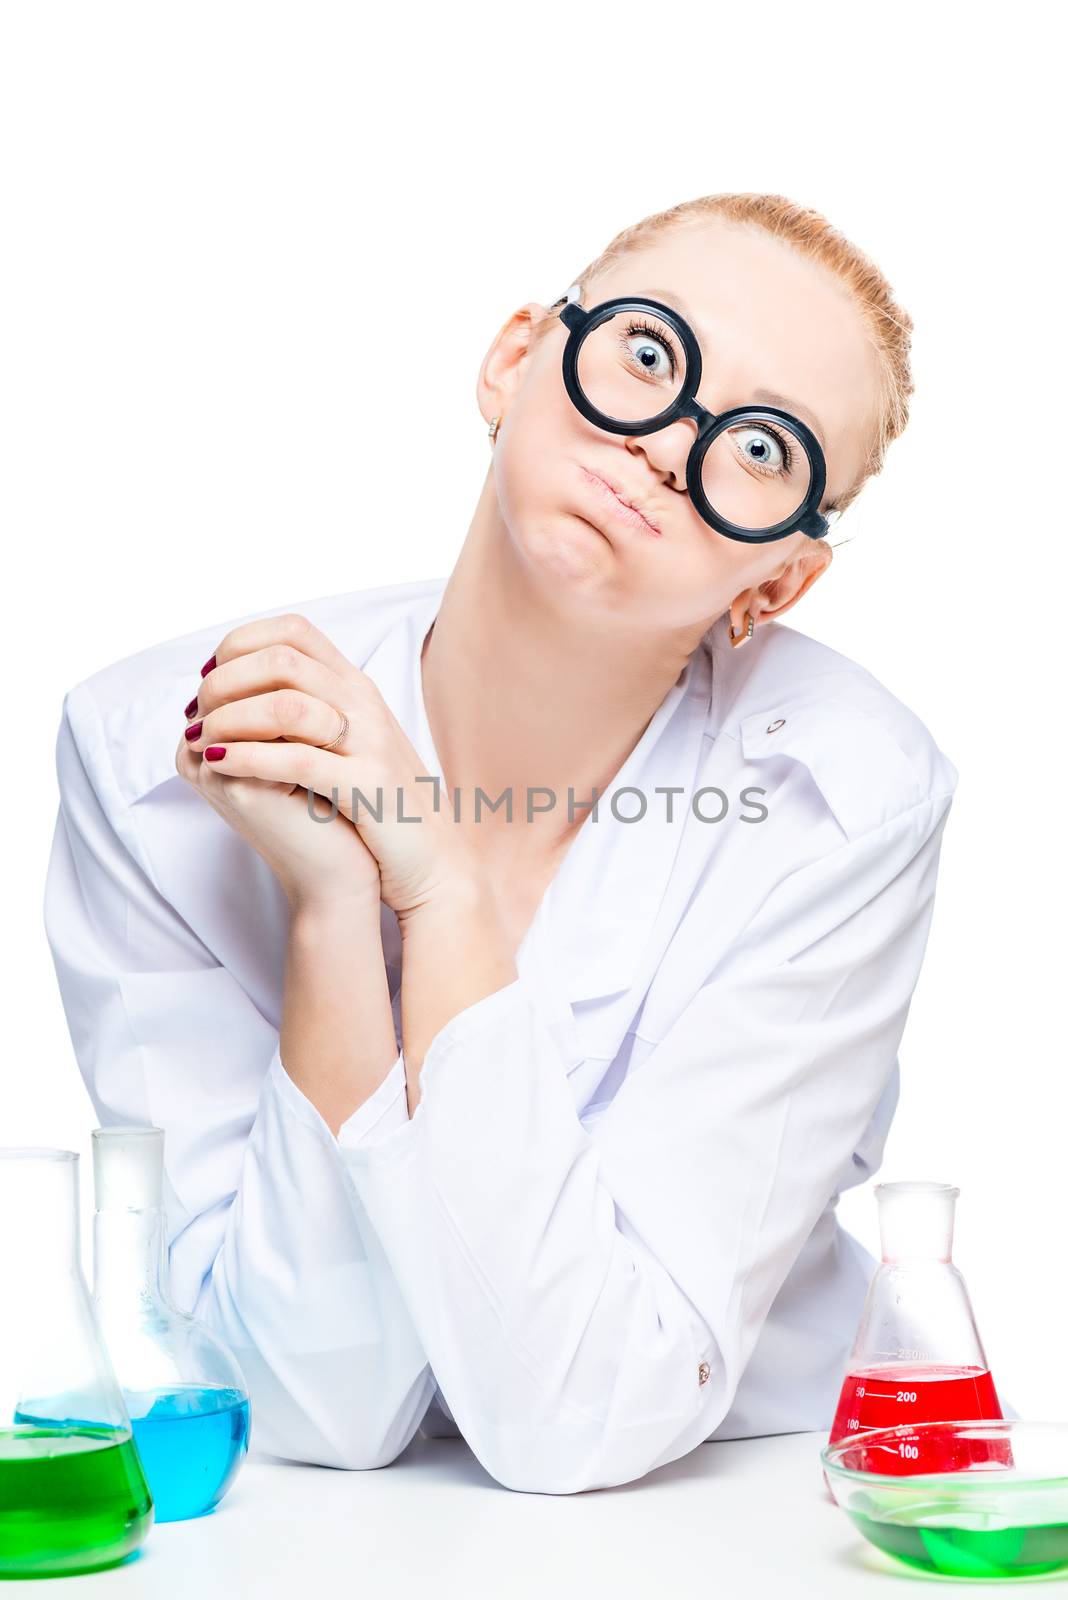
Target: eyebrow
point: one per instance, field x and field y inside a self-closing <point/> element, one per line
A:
<point x="764" y="396"/>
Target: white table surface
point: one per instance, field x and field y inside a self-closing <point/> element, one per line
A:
<point x="734" y="1519"/>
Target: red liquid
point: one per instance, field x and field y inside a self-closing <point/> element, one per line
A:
<point x="894" y="1396"/>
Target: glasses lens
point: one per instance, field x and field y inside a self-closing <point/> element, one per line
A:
<point x="631" y="367"/>
<point x="756" y="474"/>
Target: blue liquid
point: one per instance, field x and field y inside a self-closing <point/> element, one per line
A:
<point x="191" y="1441"/>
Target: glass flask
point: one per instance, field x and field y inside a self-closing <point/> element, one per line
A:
<point x="184" y="1391"/>
<point x="917" y="1356"/>
<point x="73" y="1495"/>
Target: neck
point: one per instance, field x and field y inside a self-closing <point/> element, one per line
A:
<point x="526" y="688"/>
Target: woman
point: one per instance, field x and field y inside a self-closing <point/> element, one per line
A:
<point x="532" y="1127"/>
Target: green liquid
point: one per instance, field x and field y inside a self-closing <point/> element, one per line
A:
<point x="71" y="1499"/>
<point x="969" y="1552"/>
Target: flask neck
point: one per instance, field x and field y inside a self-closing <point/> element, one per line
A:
<point x="129" y="1256"/>
<point x="916" y="1222"/>
<point x="39" y="1206"/>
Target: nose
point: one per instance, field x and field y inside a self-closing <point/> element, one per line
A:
<point x="667" y="450"/>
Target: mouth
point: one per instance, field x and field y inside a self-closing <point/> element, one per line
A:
<point x="615" y="502"/>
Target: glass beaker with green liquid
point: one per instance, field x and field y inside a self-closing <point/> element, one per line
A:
<point x="73" y="1494"/>
<point x="184" y="1391"/>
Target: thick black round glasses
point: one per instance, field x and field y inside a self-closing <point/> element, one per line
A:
<point x="634" y="366"/>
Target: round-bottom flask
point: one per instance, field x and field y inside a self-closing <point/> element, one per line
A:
<point x="186" y="1396"/>
<point x="917" y="1356"/>
<point x="73" y="1496"/>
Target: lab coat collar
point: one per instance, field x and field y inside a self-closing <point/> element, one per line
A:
<point x="595" y="919"/>
<point x="600" y="909"/>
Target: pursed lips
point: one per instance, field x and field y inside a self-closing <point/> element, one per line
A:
<point x="639" y="518"/>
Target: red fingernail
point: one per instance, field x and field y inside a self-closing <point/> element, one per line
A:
<point x="215" y="752"/>
<point x="193" y="730"/>
<point x="209" y="666"/>
<point x="190" y="709"/>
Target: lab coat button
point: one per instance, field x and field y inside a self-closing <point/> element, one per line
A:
<point x="773" y="727"/>
<point x="703" y="1372"/>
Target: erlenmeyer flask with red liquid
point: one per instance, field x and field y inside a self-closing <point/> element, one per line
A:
<point x="917" y="1356"/>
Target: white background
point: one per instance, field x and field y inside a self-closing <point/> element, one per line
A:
<point x="253" y="257"/>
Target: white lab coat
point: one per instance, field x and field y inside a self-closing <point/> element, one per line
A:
<point x="608" y="1232"/>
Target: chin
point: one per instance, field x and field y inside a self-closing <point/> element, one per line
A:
<point x="571" y="550"/>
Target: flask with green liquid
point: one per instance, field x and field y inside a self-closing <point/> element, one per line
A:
<point x="73" y="1494"/>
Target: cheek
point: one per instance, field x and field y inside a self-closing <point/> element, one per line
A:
<point x="538" y="442"/>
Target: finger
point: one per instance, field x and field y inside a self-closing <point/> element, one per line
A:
<point x="186" y="762"/>
<point x="191" y="766"/>
<point x="288" y="629"/>
<point x="280" y="714"/>
<point x="305" y="764"/>
<point x="276" y="666"/>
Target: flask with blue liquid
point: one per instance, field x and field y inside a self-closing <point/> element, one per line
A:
<point x="184" y="1391"/>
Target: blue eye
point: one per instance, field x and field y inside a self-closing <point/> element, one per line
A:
<point x="652" y="341"/>
<point x="764" y="447"/>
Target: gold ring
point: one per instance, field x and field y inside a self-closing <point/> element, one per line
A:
<point x="341" y="734"/>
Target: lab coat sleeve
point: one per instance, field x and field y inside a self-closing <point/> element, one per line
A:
<point x="589" y="1299"/>
<point x="268" y="1242"/>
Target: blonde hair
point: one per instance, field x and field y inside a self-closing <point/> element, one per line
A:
<point x="889" y="326"/>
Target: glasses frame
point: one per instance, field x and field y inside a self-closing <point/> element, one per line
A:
<point x="581" y="321"/>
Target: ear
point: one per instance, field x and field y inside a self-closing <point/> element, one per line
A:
<point x="796" y="575"/>
<point x="503" y="365"/>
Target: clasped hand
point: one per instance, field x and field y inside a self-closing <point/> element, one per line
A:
<point x="272" y="695"/>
